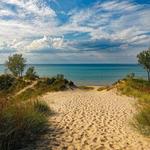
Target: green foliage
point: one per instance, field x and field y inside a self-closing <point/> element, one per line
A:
<point x="130" y="76"/>
<point x="31" y="73"/>
<point x="45" y="85"/>
<point x="20" y="123"/>
<point x="18" y="85"/>
<point x="16" y="64"/>
<point x="144" y="59"/>
<point x="55" y="84"/>
<point x="9" y="85"/>
<point x="6" y="81"/>
<point x="140" y="89"/>
<point x="143" y="121"/>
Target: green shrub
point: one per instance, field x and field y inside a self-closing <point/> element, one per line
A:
<point x="130" y="76"/>
<point x="31" y="74"/>
<point x="60" y="77"/>
<point x="49" y="81"/>
<point x="6" y="81"/>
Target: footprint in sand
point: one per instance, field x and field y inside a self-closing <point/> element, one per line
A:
<point x="93" y="121"/>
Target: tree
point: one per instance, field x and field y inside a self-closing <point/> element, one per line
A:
<point x="31" y="73"/>
<point x="16" y="64"/>
<point x="144" y="59"/>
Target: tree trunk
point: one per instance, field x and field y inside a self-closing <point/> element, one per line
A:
<point x="148" y="73"/>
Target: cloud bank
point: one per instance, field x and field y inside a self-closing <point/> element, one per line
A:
<point x="48" y="31"/>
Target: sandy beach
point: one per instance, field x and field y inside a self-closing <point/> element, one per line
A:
<point x="91" y="120"/>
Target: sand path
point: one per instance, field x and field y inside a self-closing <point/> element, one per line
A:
<point x="91" y="121"/>
<point x="26" y="88"/>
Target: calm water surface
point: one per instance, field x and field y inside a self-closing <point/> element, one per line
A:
<point x="89" y="74"/>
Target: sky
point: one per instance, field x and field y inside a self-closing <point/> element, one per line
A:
<point x="74" y="31"/>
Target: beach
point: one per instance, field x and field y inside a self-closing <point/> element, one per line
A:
<point x="91" y="120"/>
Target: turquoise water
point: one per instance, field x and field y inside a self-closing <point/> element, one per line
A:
<point x="89" y="74"/>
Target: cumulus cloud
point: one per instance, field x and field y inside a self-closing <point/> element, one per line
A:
<point x="46" y="43"/>
<point x="108" y="28"/>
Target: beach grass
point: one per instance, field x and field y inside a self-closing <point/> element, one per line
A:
<point x="20" y="123"/>
<point x="107" y="88"/>
<point x="139" y="88"/>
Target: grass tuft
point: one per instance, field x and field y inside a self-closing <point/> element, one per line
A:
<point x="86" y="87"/>
<point x="20" y="123"/>
<point x="42" y="107"/>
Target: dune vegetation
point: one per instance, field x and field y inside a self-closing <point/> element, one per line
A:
<point x="140" y="89"/>
<point x="23" y="117"/>
<point x="86" y="88"/>
<point x="46" y="85"/>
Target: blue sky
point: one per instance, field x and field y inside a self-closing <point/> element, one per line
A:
<point x="74" y="31"/>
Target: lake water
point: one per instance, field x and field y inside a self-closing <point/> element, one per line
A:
<point x="89" y="74"/>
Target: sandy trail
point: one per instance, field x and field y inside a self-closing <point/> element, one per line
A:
<point x="91" y="121"/>
<point x="26" y="88"/>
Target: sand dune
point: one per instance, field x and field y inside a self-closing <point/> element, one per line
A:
<point x="91" y="121"/>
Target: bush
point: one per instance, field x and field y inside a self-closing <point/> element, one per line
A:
<point x="6" y="81"/>
<point x="130" y="76"/>
<point x="60" y="77"/>
<point x="54" y="84"/>
<point x="49" y="81"/>
<point x="31" y="74"/>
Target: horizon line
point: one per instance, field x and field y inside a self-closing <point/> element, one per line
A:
<point x="81" y="64"/>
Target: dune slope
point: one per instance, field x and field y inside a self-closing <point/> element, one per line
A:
<point x="91" y="120"/>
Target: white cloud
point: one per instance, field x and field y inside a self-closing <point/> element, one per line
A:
<point x="31" y="18"/>
<point x="4" y="12"/>
<point x="32" y="6"/>
<point x="117" y="6"/>
<point x="113" y="20"/>
<point x="46" y="42"/>
<point x="117" y="21"/>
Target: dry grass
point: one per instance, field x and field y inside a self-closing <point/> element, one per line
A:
<point x="20" y="123"/>
<point x="107" y="88"/>
<point x="86" y="87"/>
